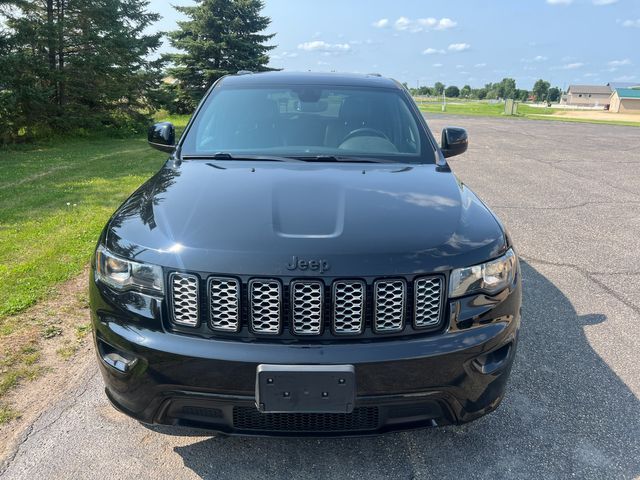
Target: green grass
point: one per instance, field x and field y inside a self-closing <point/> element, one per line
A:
<point x="7" y="414"/>
<point x="54" y="201"/>
<point x="485" y="109"/>
<point x="55" y="198"/>
<point x="482" y="108"/>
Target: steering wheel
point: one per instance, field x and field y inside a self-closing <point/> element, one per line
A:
<point x="364" y="132"/>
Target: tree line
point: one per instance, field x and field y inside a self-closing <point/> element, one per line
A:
<point x="507" y="88"/>
<point x="90" y="65"/>
<point x="82" y="66"/>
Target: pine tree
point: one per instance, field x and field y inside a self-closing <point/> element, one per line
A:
<point x="220" y="37"/>
<point x="71" y="64"/>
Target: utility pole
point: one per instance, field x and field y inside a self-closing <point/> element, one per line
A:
<point x="444" y="99"/>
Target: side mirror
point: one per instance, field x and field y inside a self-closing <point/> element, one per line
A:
<point x="162" y="136"/>
<point x="454" y="141"/>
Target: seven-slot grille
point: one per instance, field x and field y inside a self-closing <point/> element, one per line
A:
<point x="346" y="309"/>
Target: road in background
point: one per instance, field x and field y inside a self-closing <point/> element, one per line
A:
<point x="570" y="196"/>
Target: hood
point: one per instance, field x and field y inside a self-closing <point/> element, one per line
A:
<point x="253" y="218"/>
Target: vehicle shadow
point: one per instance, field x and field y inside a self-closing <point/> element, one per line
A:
<point x="566" y="414"/>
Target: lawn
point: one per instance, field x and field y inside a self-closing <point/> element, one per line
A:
<point x="54" y="201"/>
<point x="485" y="109"/>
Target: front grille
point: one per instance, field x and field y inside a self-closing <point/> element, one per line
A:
<point x="224" y="304"/>
<point x="310" y="308"/>
<point x="184" y="299"/>
<point x="361" y="419"/>
<point x="389" y="309"/>
<point x="265" y="297"/>
<point x="306" y="307"/>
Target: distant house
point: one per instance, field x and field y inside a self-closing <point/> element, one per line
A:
<point x="587" y="95"/>
<point x="625" y="100"/>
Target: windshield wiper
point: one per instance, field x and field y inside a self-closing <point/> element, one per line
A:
<point x="334" y="158"/>
<point x="229" y="156"/>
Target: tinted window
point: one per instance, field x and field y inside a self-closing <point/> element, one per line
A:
<point x="308" y="121"/>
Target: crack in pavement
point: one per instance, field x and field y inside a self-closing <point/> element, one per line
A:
<point x="591" y="276"/>
<point x="76" y="395"/>
<point x="583" y="177"/>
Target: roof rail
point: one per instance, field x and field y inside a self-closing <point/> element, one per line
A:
<point x="374" y="74"/>
<point x="244" y="72"/>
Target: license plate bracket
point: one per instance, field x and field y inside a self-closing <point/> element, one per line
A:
<point x="305" y="388"/>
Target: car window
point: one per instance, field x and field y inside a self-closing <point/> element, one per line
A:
<point x="307" y="121"/>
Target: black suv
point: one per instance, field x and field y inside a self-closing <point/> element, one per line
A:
<point x="305" y="263"/>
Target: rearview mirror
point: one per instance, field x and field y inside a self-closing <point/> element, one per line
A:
<point x="454" y="141"/>
<point x="162" y="136"/>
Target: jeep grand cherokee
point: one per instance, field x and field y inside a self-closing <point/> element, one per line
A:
<point x="305" y="263"/>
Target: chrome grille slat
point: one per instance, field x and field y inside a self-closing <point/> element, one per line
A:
<point x="427" y="302"/>
<point x="389" y="300"/>
<point x="265" y="298"/>
<point x="348" y="306"/>
<point x="184" y="299"/>
<point x="307" y="298"/>
<point x="224" y="304"/>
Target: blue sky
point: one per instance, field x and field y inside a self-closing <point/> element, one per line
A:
<point x="456" y="42"/>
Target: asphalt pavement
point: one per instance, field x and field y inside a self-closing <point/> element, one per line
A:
<point x="569" y="194"/>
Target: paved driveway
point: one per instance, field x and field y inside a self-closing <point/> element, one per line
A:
<point x="570" y="195"/>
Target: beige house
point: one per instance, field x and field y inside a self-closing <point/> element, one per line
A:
<point x="587" y="95"/>
<point x="625" y="100"/>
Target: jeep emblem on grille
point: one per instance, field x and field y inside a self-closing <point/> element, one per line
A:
<point x="318" y="265"/>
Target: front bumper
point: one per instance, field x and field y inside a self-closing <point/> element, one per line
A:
<point x="407" y="382"/>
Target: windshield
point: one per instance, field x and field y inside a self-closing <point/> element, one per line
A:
<point x="308" y="121"/>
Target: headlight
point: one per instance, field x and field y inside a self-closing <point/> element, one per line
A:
<point x="124" y="274"/>
<point x="490" y="277"/>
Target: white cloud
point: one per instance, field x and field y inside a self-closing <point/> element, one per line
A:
<point x="604" y="2"/>
<point x="432" y="51"/>
<point x="403" y="23"/>
<point x="280" y="56"/>
<point x="382" y="23"/>
<point x="437" y="65"/>
<point x="459" y="67"/>
<point x="573" y="66"/>
<point x="537" y="58"/>
<point x="322" y="46"/>
<point x="421" y="24"/>
<point x="590" y="74"/>
<point x="459" y="47"/>
<point x="428" y="22"/>
<point x="619" y="63"/>
<point x="631" y="23"/>
<point x="445" y="24"/>
<point x="480" y="65"/>
<point x="559" y="2"/>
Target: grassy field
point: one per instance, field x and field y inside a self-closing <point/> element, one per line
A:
<point x="54" y="201"/>
<point x="486" y="109"/>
